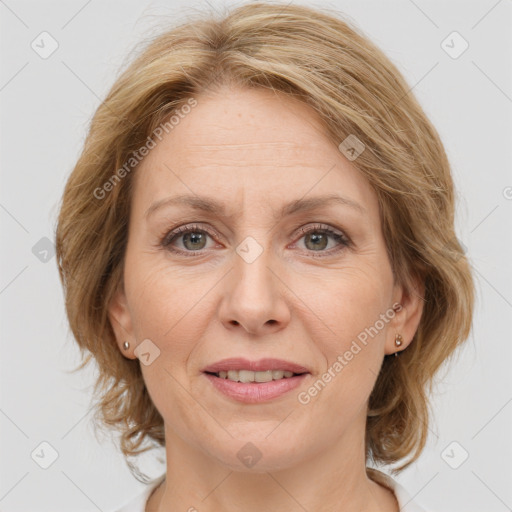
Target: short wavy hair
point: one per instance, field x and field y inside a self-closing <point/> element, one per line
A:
<point x="317" y="57"/>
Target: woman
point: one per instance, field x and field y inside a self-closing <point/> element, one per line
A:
<point x="257" y="248"/>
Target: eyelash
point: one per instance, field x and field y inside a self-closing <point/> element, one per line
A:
<point x="169" y="237"/>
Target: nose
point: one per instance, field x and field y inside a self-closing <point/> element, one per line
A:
<point x="253" y="297"/>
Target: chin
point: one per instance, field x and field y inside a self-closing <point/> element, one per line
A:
<point x="257" y="455"/>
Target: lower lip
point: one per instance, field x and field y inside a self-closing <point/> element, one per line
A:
<point x="255" y="392"/>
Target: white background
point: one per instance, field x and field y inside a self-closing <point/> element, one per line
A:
<point x="46" y="105"/>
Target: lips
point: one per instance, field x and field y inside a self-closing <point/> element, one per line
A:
<point x="260" y="365"/>
<point x="256" y="387"/>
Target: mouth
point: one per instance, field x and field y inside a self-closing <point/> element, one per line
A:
<point x="255" y="381"/>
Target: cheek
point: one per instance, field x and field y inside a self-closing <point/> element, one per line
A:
<point x="350" y="337"/>
<point x="166" y="309"/>
<point x="348" y="301"/>
<point x="169" y="307"/>
<point x="164" y="300"/>
<point x="353" y="349"/>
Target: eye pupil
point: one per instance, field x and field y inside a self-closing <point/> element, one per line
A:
<point x="316" y="237"/>
<point x="195" y="238"/>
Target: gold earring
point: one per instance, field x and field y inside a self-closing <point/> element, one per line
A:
<point x="126" y="345"/>
<point x="398" y="342"/>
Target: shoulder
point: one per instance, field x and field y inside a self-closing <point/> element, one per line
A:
<point x="405" y="501"/>
<point x="138" y="504"/>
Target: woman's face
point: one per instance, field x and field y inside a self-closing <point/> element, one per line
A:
<point x="270" y="269"/>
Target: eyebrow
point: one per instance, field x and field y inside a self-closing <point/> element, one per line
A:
<point x="214" y="207"/>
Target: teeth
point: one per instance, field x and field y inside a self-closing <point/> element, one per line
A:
<point x="233" y="375"/>
<point x="244" y="376"/>
<point x="250" y="376"/>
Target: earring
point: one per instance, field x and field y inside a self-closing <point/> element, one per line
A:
<point x="398" y="342"/>
<point x="126" y="345"/>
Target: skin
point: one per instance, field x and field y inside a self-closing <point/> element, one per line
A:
<point x="256" y="151"/>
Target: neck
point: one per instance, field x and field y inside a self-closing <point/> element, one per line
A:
<point x="331" y="480"/>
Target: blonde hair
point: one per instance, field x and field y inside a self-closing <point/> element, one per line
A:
<point x="319" y="59"/>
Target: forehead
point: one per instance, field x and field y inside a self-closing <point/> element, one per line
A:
<point x="247" y="146"/>
<point x="233" y="123"/>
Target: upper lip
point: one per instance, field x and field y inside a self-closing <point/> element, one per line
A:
<point x="239" y="363"/>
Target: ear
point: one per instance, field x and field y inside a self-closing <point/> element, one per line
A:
<point x="409" y="300"/>
<point x="121" y="321"/>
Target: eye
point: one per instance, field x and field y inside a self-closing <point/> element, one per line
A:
<point x="193" y="239"/>
<point x="316" y="239"/>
